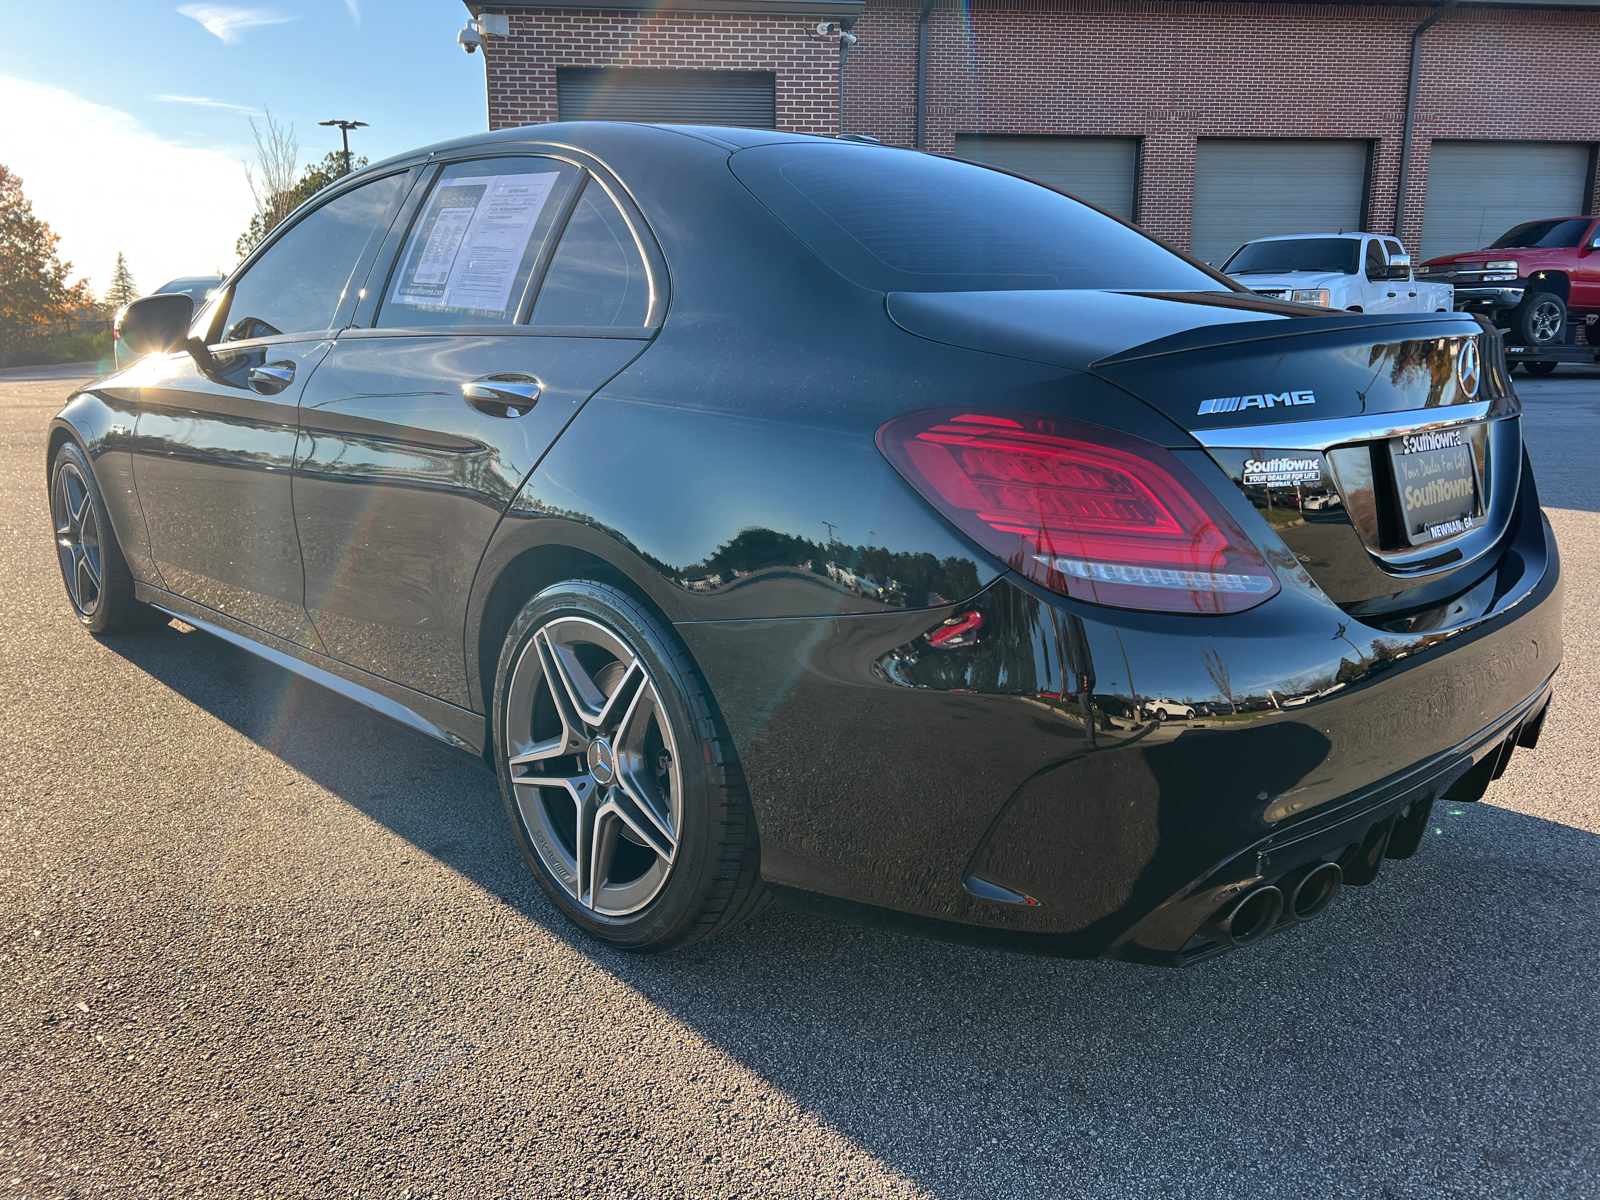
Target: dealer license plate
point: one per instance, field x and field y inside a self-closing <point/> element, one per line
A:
<point x="1436" y="476"/>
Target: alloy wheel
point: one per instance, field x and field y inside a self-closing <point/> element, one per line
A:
<point x="593" y="766"/>
<point x="77" y="538"/>
<point x="1545" y="321"/>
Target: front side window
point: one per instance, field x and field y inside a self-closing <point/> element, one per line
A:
<point x="894" y="220"/>
<point x="597" y="277"/>
<point x="1285" y="256"/>
<point x="1377" y="261"/>
<point x="470" y="254"/>
<point x="296" y="286"/>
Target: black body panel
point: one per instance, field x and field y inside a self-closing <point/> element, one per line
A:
<point x="212" y="461"/>
<point x="399" y="483"/>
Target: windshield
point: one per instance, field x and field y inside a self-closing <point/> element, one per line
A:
<point x="895" y="220"/>
<point x="1549" y="235"/>
<point x="1340" y="256"/>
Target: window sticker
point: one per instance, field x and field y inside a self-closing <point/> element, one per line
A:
<point x="471" y="243"/>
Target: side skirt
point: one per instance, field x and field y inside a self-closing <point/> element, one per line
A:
<point x="454" y="726"/>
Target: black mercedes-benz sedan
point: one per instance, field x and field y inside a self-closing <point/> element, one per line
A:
<point x="786" y="516"/>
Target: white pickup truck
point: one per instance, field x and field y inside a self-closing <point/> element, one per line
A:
<point x="1358" y="271"/>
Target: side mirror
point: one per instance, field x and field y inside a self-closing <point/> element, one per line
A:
<point x="1594" y="243"/>
<point x="1399" y="266"/>
<point x="156" y="323"/>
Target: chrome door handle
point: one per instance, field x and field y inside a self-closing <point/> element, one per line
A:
<point x="503" y="395"/>
<point x="272" y="378"/>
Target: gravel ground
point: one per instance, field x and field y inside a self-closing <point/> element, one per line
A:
<point x="260" y="942"/>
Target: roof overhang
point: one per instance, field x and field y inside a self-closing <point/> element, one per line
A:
<point x="813" y="9"/>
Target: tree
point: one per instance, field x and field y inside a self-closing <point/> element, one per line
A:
<point x="312" y="180"/>
<point x="123" y="289"/>
<point x="277" y="156"/>
<point x="35" y="285"/>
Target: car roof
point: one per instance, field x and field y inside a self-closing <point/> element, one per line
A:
<point x="1295" y="237"/>
<point x="580" y="134"/>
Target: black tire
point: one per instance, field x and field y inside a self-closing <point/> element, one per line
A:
<point x="1540" y="368"/>
<point x="1161" y="714"/>
<point x="687" y="780"/>
<point x="93" y="569"/>
<point x="1540" y="320"/>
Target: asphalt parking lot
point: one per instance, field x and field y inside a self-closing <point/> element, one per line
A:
<point x="258" y="941"/>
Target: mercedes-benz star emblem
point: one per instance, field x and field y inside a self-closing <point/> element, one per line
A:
<point x="1468" y="369"/>
<point x="602" y="763"/>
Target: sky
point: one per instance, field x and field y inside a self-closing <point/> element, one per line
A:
<point x="128" y="121"/>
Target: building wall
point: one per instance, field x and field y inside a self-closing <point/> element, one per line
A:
<point x="521" y="69"/>
<point x="1165" y="71"/>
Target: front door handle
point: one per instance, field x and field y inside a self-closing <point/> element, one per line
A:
<point x="1391" y="295"/>
<point x="273" y="377"/>
<point x="503" y="395"/>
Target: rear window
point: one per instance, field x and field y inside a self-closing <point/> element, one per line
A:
<point x="894" y="220"/>
<point x="1318" y="255"/>
<point x="1547" y="235"/>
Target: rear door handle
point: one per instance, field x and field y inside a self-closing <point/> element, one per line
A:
<point x="273" y="377"/>
<point x="1391" y="295"/>
<point x="503" y="395"/>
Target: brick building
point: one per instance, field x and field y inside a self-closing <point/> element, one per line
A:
<point x="1207" y="121"/>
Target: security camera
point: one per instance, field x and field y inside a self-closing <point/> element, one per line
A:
<point x="469" y="38"/>
<point x="847" y="39"/>
<point x="827" y="28"/>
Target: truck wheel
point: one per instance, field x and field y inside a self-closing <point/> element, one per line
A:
<point x="1540" y="368"/>
<point x="1540" y="320"/>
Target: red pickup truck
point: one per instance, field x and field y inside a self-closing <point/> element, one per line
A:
<point x="1532" y="281"/>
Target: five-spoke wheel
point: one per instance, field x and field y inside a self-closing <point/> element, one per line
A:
<point x="593" y="765"/>
<point x="99" y="584"/>
<point x="77" y="538"/>
<point x="621" y="784"/>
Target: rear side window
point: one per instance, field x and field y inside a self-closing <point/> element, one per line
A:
<point x="471" y="251"/>
<point x="297" y="284"/>
<point x="893" y="220"/>
<point x="598" y="276"/>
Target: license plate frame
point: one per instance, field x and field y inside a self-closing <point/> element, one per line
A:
<point x="1438" y="488"/>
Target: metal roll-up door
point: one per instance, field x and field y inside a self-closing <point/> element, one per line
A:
<point x="673" y="97"/>
<point x="1246" y="188"/>
<point x="1479" y="190"/>
<point x="1103" y="171"/>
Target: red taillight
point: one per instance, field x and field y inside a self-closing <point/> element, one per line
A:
<point x="1082" y="510"/>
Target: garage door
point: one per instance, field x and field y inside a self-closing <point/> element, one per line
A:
<point x="1478" y="190"/>
<point x="1103" y="171"/>
<point x="674" y="97"/>
<point x="1259" y="187"/>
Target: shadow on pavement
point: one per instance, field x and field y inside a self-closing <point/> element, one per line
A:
<point x="1434" y="1035"/>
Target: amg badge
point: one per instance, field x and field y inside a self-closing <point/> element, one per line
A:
<point x="1226" y="404"/>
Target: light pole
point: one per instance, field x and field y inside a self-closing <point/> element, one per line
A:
<point x="344" y="130"/>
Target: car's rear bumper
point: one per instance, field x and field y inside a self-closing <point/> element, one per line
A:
<point x="1007" y="792"/>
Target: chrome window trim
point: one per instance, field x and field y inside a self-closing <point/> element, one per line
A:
<point x="1324" y="435"/>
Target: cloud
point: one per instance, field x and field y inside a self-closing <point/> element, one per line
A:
<point x="355" y="9"/>
<point x="228" y="23"/>
<point x="206" y="102"/>
<point x="173" y="210"/>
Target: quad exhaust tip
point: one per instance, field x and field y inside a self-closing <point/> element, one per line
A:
<point x="1250" y="918"/>
<point x="1311" y="889"/>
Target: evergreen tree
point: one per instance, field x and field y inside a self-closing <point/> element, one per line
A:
<point x="123" y="290"/>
